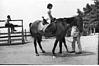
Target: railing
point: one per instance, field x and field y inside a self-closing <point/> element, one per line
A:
<point x="11" y="35"/>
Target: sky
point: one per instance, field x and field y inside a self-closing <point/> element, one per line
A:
<point x="32" y="10"/>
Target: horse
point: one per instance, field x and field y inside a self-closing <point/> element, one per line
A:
<point x="59" y="29"/>
<point x="36" y="32"/>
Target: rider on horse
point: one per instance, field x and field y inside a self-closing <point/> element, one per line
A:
<point x="52" y="19"/>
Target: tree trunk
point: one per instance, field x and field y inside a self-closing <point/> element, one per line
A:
<point x="94" y="31"/>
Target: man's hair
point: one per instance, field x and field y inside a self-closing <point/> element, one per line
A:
<point x="8" y="16"/>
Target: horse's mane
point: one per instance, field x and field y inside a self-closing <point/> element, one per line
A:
<point x="70" y="20"/>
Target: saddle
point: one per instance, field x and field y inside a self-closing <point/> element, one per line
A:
<point x="42" y="27"/>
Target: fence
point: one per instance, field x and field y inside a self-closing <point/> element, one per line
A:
<point x="9" y="35"/>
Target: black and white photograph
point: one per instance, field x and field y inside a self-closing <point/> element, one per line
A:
<point x="49" y="32"/>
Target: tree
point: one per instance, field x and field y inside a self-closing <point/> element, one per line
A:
<point x="80" y="22"/>
<point x="91" y="16"/>
<point x="87" y="9"/>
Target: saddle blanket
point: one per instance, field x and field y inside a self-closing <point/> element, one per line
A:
<point x="42" y="27"/>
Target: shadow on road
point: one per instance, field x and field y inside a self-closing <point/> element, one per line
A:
<point x="6" y="44"/>
<point x="65" y="54"/>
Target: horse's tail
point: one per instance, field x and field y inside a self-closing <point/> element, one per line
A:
<point x="31" y="32"/>
<point x="30" y="29"/>
<point x="30" y="24"/>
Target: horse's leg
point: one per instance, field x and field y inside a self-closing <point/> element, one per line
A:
<point x="65" y="43"/>
<point x="55" y="44"/>
<point x="39" y="43"/>
<point x="60" y="45"/>
<point x="35" y="45"/>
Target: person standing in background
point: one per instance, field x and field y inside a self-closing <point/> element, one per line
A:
<point x="76" y="38"/>
<point x="7" y="24"/>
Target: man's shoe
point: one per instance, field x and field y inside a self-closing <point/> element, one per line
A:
<point x="78" y="52"/>
<point x="43" y="51"/>
<point x="71" y="51"/>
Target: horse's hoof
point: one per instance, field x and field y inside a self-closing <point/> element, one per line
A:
<point x="54" y="54"/>
<point x="43" y="51"/>
<point x="60" y="52"/>
<point x="37" y="54"/>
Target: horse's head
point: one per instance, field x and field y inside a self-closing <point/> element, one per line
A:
<point x="50" y="28"/>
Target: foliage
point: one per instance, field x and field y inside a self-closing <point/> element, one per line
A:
<point x="90" y="16"/>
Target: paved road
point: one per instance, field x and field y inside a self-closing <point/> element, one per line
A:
<point x="24" y="54"/>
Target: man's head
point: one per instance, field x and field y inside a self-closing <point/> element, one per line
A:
<point x="8" y="16"/>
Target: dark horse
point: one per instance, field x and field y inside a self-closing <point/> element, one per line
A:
<point x="36" y="33"/>
<point x="59" y="29"/>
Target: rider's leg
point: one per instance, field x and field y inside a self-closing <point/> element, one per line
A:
<point x="12" y="27"/>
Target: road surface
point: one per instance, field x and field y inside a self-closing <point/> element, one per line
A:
<point x="24" y="54"/>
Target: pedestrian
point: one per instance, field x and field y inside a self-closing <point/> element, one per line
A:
<point x="7" y="24"/>
<point x="76" y="38"/>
